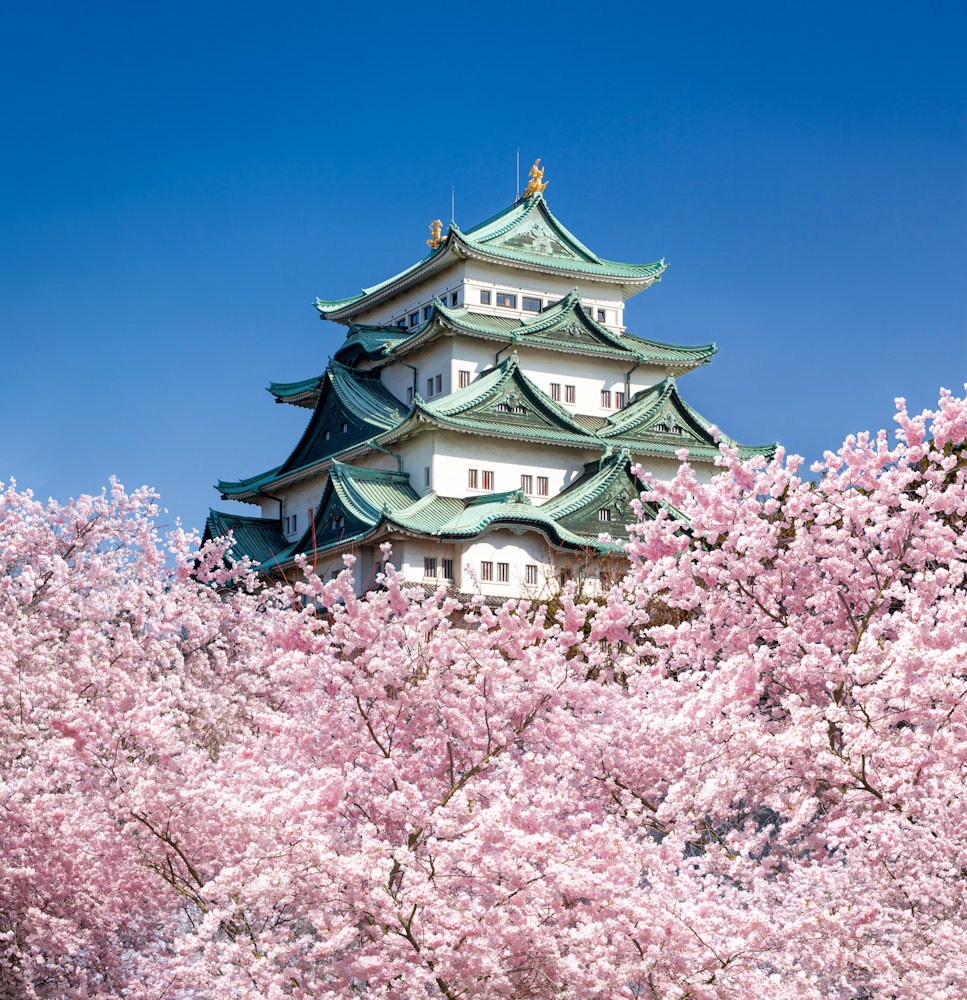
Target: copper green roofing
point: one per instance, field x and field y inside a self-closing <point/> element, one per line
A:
<point x="304" y="393"/>
<point x="564" y="326"/>
<point x="659" y="422"/>
<point x="353" y="405"/>
<point x="256" y="538"/>
<point x="502" y="402"/>
<point x="370" y="342"/>
<point x="358" y="503"/>
<point x="525" y="235"/>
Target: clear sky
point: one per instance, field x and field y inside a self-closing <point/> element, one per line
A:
<point x="179" y="181"/>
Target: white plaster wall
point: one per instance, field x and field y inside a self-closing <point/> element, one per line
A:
<point x="455" y="454"/>
<point x="417" y="298"/>
<point x="299" y="499"/>
<point x="435" y="359"/>
<point x="550" y="287"/>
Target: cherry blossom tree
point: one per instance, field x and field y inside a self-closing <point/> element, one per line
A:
<point x="739" y="772"/>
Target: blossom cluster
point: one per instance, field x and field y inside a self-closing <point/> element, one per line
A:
<point x="738" y="772"/>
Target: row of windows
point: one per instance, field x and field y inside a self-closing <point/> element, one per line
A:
<point x="414" y="317"/>
<point x="484" y="479"/>
<point x="528" y="303"/>
<point x="430" y="567"/>
<point x="503" y="573"/>
<point x="615" y="400"/>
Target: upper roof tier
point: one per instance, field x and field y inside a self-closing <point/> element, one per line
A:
<point x="525" y="236"/>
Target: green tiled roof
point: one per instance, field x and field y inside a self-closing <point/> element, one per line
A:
<point x="348" y="397"/>
<point x="304" y="393"/>
<point x="370" y="342"/>
<point x="501" y="402"/>
<point x="659" y="422"/>
<point x="526" y="235"/>
<point x="257" y="538"/>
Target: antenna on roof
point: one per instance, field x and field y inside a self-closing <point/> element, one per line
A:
<point x="517" y="188"/>
<point x="453" y="201"/>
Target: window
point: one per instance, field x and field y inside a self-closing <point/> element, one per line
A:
<point x="486" y="571"/>
<point x="487" y="479"/>
<point x="606" y="398"/>
<point x="473" y="479"/>
<point x="426" y="475"/>
<point x="343" y="427"/>
<point x="426" y="312"/>
<point x="604" y="514"/>
<point x="531" y="305"/>
<point x="414" y="318"/>
<point x="429" y="565"/>
<point x="326" y="435"/>
<point x="569" y="393"/>
<point x="464" y="379"/>
<point x="438" y="383"/>
<point x="507" y="301"/>
<point x="429" y="387"/>
<point x="530" y="575"/>
<point x="542" y="486"/>
<point x="564" y="576"/>
<point x="409" y="395"/>
<point x="601" y="316"/>
<point x="291" y="522"/>
<point x="527" y="483"/>
<point x="504" y="407"/>
<point x="454" y="298"/>
<point x="448" y="569"/>
<point x="503" y="572"/>
<point x="520" y="409"/>
<point x="556" y="391"/>
<point x="619" y="400"/>
<point x="485" y="296"/>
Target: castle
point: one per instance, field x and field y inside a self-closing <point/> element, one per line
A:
<point x="483" y="416"/>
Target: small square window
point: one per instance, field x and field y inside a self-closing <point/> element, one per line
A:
<point x="601" y="316"/>
<point x="531" y="305"/>
<point x="464" y="378"/>
<point x="606" y="398"/>
<point x="473" y="478"/>
<point x="429" y="565"/>
<point x="426" y="312"/>
<point x="414" y="318"/>
<point x="569" y="393"/>
<point x="454" y="298"/>
<point x="486" y="571"/>
<point x="604" y="514"/>
<point x="619" y="400"/>
<point x="485" y="296"/>
<point x="542" y="486"/>
<point x="503" y="572"/>
<point x="507" y="301"/>
<point x="448" y="569"/>
<point x="487" y="478"/>
<point x="556" y="391"/>
<point x="530" y="575"/>
<point x="527" y="483"/>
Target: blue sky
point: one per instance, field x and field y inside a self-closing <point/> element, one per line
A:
<point x="181" y="180"/>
